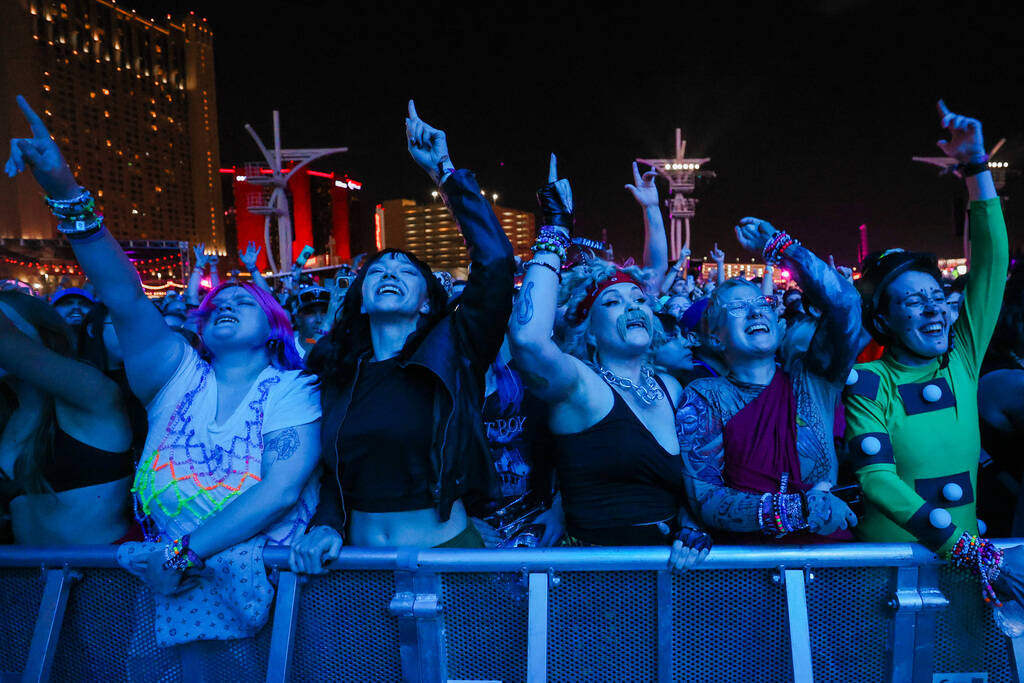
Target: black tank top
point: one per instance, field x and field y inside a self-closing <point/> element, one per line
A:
<point x="616" y="474"/>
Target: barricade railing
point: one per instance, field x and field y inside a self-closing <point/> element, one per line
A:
<point x="851" y="612"/>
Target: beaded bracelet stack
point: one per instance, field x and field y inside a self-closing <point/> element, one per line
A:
<point x="981" y="557"/>
<point x="781" y="513"/>
<point x="776" y="247"/>
<point x="78" y="217"/>
<point x="179" y="557"/>
<point x="554" y="241"/>
<point x="589" y="243"/>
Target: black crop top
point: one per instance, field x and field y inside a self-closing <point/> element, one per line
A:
<point x="616" y="474"/>
<point x="384" y="442"/>
<point x="74" y="465"/>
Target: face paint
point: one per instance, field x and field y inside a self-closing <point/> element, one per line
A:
<point x="632" y="316"/>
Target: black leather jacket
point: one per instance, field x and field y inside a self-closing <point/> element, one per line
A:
<point x="457" y="351"/>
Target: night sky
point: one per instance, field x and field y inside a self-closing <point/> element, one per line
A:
<point x="810" y="115"/>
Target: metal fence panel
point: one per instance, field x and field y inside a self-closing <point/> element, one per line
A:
<point x="603" y="627"/>
<point x="966" y="637"/>
<point x="849" y="623"/>
<point x="21" y="591"/>
<point x="344" y="631"/>
<point x="485" y="624"/>
<point x="730" y="625"/>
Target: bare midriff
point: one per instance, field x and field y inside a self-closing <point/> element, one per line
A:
<point x="90" y="515"/>
<point x="420" y="528"/>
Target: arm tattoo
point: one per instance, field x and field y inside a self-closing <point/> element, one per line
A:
<point x="524" y="305"/>
<point x="700" y="437"/>
<point x="282" y="446"/>
<point x="535" y="381"/>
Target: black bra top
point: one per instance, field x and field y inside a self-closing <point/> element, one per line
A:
<point x="74" y="465"/>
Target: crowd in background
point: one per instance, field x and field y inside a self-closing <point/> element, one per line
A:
<point x="564" y="400"/>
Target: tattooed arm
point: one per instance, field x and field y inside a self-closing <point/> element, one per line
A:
<point x="700" y="437"/>
<point x="552" y="375"/>
<point x="290" y="456"/>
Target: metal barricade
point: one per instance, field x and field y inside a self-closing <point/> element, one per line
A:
<point x="852" y="612"/>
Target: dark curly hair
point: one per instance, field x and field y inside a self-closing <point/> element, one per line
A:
<point x="335" y="356"/>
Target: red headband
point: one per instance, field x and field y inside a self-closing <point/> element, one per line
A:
<point x="594" y="291"/>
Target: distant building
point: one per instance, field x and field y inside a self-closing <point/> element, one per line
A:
<point x="132" y="103"/>
<point x="430" y="232"/>
<point x="324" y="212"/>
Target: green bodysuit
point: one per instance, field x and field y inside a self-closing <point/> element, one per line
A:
<point x="912" y="431"/>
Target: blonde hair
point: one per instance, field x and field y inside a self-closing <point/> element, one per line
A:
<point x="577" y="282"/>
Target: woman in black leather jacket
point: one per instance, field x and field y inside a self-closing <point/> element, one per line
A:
<point x="402" y="386"/>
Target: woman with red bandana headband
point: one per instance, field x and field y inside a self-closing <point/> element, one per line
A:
<point x="616" y="452"/>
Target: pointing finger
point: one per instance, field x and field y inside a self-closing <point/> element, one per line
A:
<point x="34" y="122"/>
<point x="412" y="110"/>
<point x="552" y="168"/>
<point x="943" y="109"/>
<point x="636" y="174"/>
<point x="831" y="262"/>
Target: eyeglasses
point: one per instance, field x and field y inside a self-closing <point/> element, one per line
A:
<point x="758" y="304"/>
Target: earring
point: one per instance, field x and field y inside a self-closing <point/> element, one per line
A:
<point x="274" y="346"/>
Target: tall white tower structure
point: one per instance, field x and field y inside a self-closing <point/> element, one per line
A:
<point x="681" y="174"/>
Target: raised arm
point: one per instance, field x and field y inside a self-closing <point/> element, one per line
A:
<point x="676" y="272"/>
<point x="834" y="345"/>
<point x="767" y="280"/>
<point x="196" y="276"/>
<point x="78" y="385"/>
<point x="482" y="314"/>
<point x="249" y="260"/>
<point x="552" y="375"/>
<point x="645" y="191"/>
<point x="983" y="296"/>
<point x="718" y="256"/>
<point x="151" y="350"/>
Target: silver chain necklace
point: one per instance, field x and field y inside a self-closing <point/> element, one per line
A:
<point x="647" y="391"/>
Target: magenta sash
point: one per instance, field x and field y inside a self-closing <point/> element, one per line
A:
<point x="760" y="441"/>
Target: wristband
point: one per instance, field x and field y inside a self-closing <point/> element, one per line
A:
<point x="971" y="168"/>
<point x="81" y="227"/>
<point x="545" y="265"/>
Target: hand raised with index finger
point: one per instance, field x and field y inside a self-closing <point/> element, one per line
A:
<point x="966" y="143"/>
<point x="41" y="155"/>
<point x="427" y="145"/>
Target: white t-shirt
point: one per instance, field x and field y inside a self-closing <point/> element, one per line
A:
<point x="192" y="467"/>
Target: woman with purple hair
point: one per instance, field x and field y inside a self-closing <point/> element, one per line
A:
<point x="233" y="427"/>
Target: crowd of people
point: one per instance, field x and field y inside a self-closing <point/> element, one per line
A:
<point x="567" y="400"/>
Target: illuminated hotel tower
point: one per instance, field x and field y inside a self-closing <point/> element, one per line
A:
<point x="132" y="103"/>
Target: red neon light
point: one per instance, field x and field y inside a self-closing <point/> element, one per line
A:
<point x="320" y="174"/>
<point x="378" y="234"/>
<point x="227" y="170"/>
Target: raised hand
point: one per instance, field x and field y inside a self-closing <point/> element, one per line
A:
<point x="250" y="256"/>
<point x="717" y="255"/>
<point x="965" y="143"/>
<point x="202" y="259"/>
<point x="41" y="155"/>
<point x="844" y="272"/>
<point x="754" y="233"/>
<point x="427" y="145"/>
<point x="643" y="189"/>
<point x="555" y="199"/>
